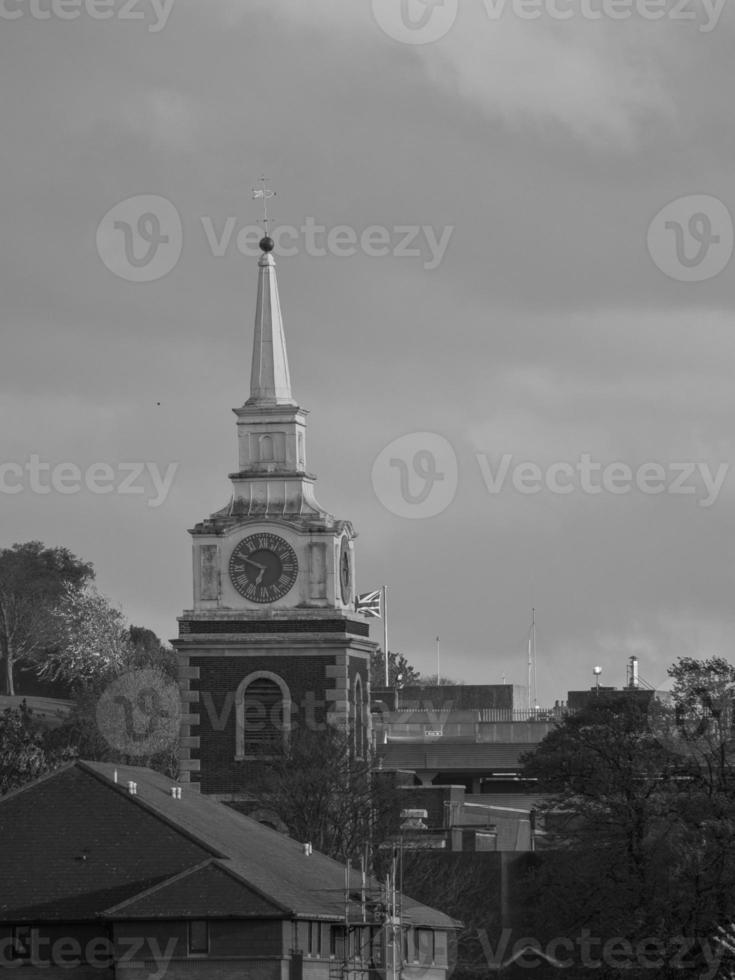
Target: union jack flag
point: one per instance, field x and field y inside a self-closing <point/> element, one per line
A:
<point x="369" y="604"/>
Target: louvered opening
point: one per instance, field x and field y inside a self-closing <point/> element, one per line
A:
<point x="263" y="713"/>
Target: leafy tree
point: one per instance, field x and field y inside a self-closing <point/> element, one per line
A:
<point x="146" y="650"/>
<point x="701" y="733"/>
<point x="610" y="822"/>
<point x="33" y="578"/>
<point x="92" y="639"/>
<point x="641" y="820"/>
<point x="24" y="754"/>
<point x="398" y="667"/>
<point x="434" y="680"/>
<point x="98" y="651"/>
<point x="464" y="885"/>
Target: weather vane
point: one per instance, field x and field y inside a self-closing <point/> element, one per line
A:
<point x="264" y="193"/>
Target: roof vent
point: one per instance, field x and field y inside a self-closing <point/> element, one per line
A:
<point x="176" y="792"/>
<point x="307" y="848"/>
<point x="132" y="788"/>
<point x="114" y="776"/>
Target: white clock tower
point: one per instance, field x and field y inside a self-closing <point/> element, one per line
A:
<point x="272" y="642"/>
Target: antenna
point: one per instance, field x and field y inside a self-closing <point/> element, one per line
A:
<point x="264" y="193"/>
<point x="532" y="663"/>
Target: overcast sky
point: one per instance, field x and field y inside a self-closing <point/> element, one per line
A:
<point x="522" y="297"/>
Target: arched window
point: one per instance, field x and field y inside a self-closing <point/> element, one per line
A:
<point x="262" y="714"/>
<point x="359" y="718"/>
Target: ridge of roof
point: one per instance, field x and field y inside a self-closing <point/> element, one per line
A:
<point x="219" y="864"/>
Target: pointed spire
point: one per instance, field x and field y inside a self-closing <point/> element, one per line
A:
<point x="270" y="381"/>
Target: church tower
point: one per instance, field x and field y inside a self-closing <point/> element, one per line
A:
<point x="272" y="644"/>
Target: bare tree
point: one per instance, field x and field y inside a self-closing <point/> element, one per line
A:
<point x="326" y="795"/>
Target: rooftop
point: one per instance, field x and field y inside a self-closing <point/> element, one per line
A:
<point x="79" y="845"/>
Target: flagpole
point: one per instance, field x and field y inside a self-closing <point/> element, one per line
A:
<point x="385" y="632"/>
<point x="438" y="675"/>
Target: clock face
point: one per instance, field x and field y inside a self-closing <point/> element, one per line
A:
<point x="263" y="567"/>
<point x="345" y="571"/>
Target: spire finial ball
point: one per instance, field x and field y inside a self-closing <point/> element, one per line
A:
<point x="267" y="244"/>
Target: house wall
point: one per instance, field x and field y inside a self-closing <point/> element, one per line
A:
<point x="60" y="951"/>
<point x="237" y="948"/>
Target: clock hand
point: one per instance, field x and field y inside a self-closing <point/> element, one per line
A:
<point x="256" y="564"/>
<point x="260" y="575"/>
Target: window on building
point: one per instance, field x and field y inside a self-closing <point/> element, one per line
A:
<point x="314" y="939"/>
<point x="359" y="719"/>
<point x="336" y="941"/>
<point x="266" y="449"/>
<point x="364" y="950"/>
<point x="198" y="937"/>
<point x="263" y="714"/>
<point x="376" y="945"/>
<point x="425" y="946"/>
<point x="409" y="949"/>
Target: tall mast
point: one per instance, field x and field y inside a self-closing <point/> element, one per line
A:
<point x="532" y="662"/>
